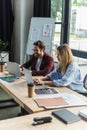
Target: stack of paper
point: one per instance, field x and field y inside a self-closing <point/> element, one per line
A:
<point x="59" y="100"/>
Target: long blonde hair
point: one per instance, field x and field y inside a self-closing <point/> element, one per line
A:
<point x="66" y="57"/>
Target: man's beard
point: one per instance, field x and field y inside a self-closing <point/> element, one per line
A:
<point x="36" y="55"/>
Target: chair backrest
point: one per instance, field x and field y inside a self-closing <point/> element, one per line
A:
<point x="56" y="64"/>
<point x="85" y="81"/>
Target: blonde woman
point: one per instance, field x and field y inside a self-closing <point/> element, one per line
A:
<point x="67" y="74"/>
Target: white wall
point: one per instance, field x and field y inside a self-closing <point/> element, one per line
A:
<point x="23" y="11"/>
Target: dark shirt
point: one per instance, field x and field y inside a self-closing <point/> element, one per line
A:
<point x="47" y="65"/>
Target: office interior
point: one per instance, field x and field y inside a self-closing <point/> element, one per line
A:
<point x="70" y="27"/>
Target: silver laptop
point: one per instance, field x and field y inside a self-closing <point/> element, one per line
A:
<point x="14" y="69"/>
<point x="28" y="76"/>
<point x="45" y="89"/>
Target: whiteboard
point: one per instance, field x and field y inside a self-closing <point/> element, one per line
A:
<point x="40" y="29"/>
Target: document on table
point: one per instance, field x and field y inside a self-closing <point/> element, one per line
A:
<point x="58" y="101"/>
<point x="11" y="78"/>
<point x="46" y="90"/>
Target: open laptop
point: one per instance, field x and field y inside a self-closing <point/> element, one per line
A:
<point x="14" y="69"/>
<point x="28" y="76"/>
<point x="42" y="90"/>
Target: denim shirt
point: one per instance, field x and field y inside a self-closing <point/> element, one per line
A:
<point x="71" y="79"/>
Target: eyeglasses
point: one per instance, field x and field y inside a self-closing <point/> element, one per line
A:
<point x="35" y="49"/>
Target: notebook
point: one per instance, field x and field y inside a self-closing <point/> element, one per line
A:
<point x="50" y="101"/>
<point x="14" y="69"/>
<point x="46" y="90"/>
<point x="66" y="116"/>
<point x="8" y="78"/>
<point x="83" y="113"/>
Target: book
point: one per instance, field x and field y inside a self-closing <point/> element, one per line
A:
<point x="66" y="116"/>
<point x="11" y="79"/>
<point x="8" y="78"/>
<point x="54" y="101"/>
<point x="83" y="113"/>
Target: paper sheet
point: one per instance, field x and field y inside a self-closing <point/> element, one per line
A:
<point x="70" y="99"/>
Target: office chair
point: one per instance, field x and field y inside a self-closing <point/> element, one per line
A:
<point x="85" y="86"/>
<point x="85" y="82"/>
<point x="7" y="103"/>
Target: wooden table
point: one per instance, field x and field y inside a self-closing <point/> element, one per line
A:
<point x="18" y="91"/>
<point x="25" y="122"/>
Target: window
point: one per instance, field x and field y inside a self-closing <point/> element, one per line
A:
<point x="78" y="25"/>
<point x="56" y="13"/>
<point x="78" y="28"/>
<point x="70" y="25"/>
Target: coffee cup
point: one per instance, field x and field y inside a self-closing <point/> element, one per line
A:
<point x="31" y="89"/>
<point x="1" y="67"/>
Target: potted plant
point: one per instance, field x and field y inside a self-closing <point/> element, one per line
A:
<point x="3" y="46"/>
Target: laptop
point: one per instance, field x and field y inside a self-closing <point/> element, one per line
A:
<point x="14" y="69"/>
<point x="42" y="90"/>
<point x="28" y="76"/>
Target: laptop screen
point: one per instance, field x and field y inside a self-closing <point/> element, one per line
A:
<point x="28" y="75"/>
<point x="14" y="69"/>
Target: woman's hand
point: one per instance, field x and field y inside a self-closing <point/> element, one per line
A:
<point x="38" y="81"/>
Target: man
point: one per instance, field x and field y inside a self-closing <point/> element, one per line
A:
<point x="40" y="62"/>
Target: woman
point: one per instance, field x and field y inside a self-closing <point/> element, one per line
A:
<point x="67" y="74"/>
